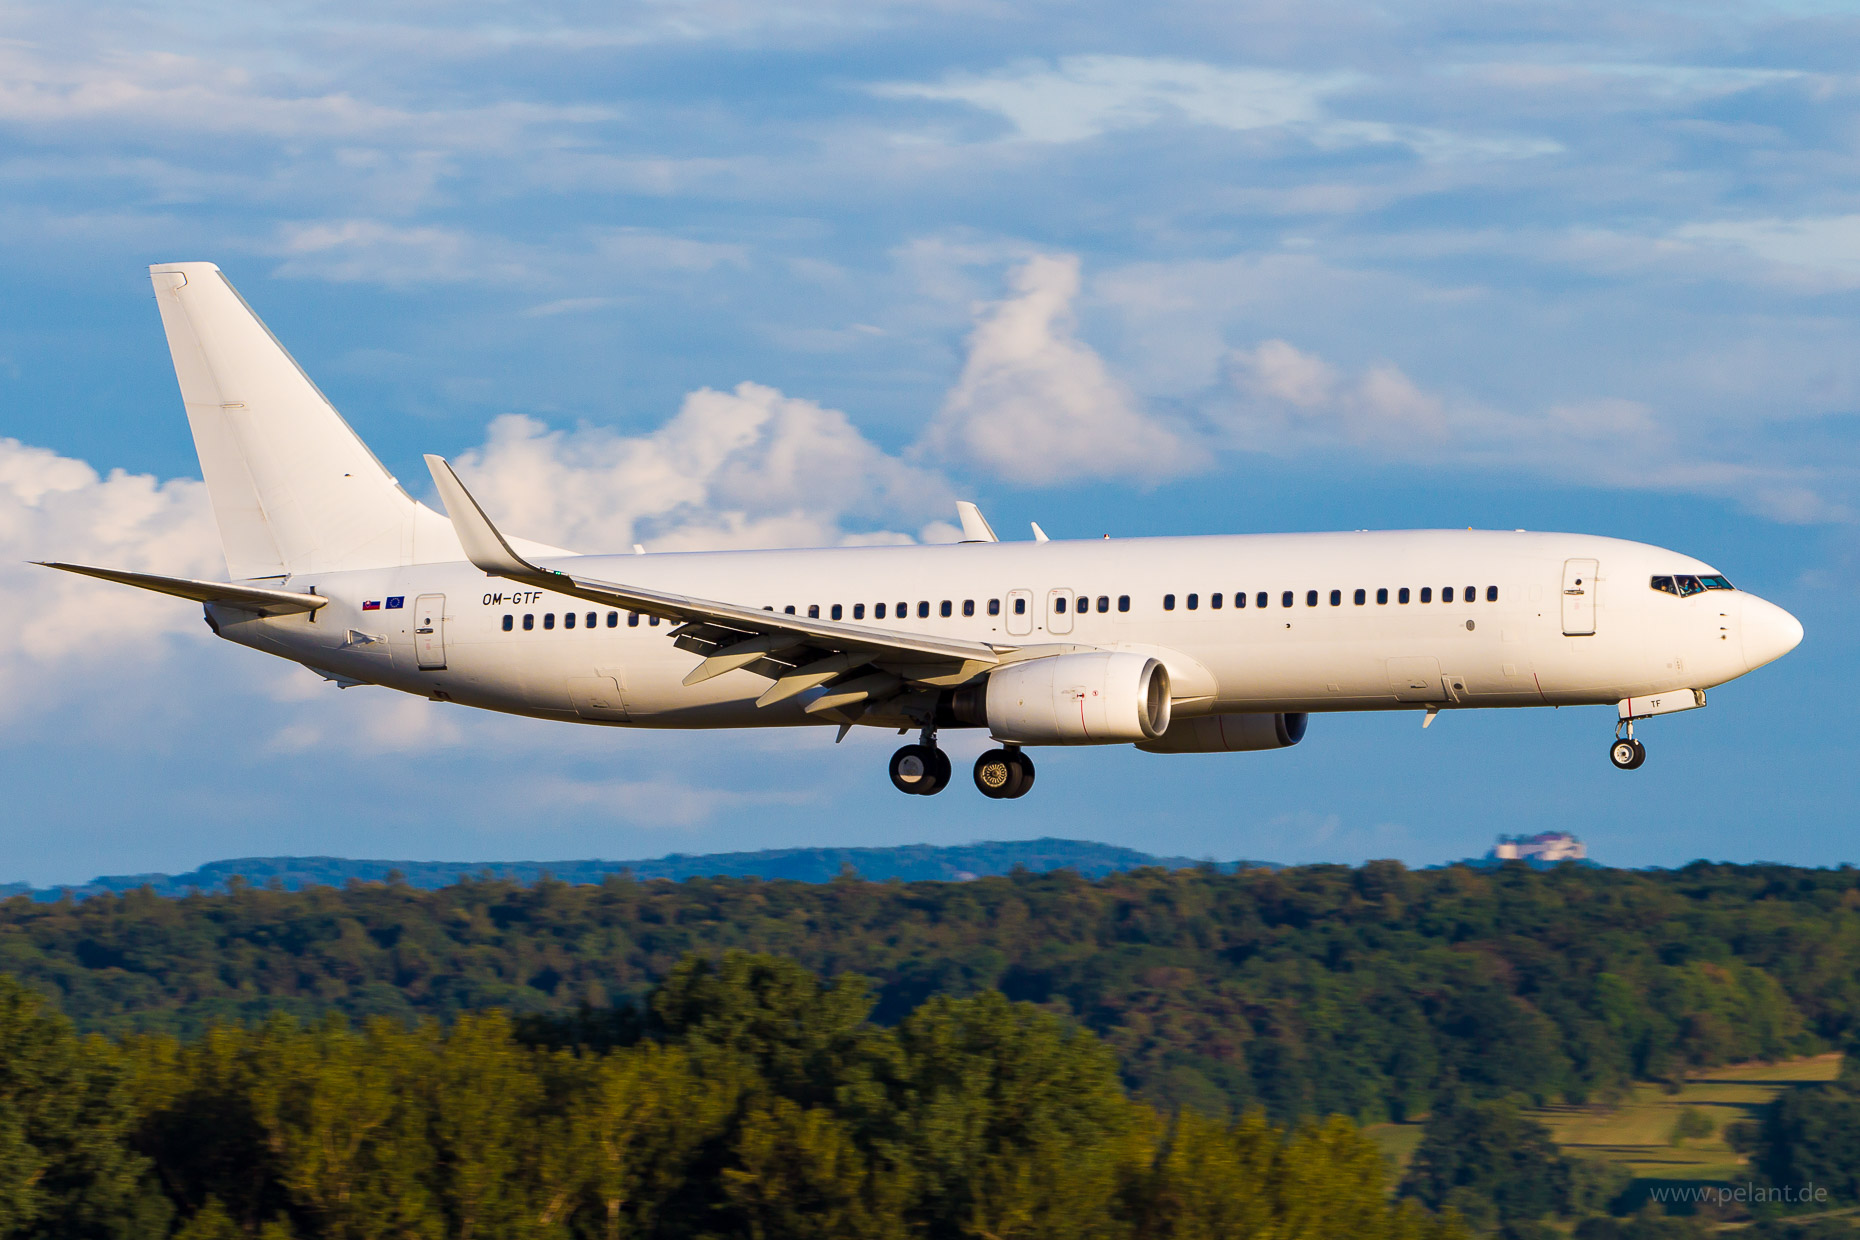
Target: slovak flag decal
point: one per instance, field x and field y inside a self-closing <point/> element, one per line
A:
<point x="373" y="604"/>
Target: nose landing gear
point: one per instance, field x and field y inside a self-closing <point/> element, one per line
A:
<point x="1626" y="753"/>
<point x="1003" y="774"/>
<point x="921" y="769"/>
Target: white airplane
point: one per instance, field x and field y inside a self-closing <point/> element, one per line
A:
<point x="1178" y="645"/>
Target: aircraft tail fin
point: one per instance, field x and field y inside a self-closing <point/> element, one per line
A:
<point x="294" y="490"/>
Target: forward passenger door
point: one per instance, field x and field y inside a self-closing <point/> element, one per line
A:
<point x="1579" y="598"/>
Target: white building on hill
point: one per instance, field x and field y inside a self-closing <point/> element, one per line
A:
<point x="1547" y="846"/>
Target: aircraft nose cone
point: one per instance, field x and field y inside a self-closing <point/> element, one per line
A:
<point x="1769" y="632"/>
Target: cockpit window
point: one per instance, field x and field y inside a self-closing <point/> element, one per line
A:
<point x="1686" y="584"/>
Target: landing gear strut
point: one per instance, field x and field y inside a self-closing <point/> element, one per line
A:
<point x="1003" y="774"/>
<point x="1626" y="753"/>
<point x="921" y="769"/>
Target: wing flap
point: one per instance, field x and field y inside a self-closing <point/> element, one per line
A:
<point x="250" y="598"/>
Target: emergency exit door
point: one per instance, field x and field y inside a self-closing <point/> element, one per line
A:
<point x="1579" y="598"/>
<point x="429" y="631"/>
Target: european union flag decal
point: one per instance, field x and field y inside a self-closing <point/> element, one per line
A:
<point x="398" y="600"/>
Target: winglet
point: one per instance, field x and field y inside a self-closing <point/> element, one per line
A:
<point x="484" y="546"/>
<point x="975" y="527"/>
<point x="1039" y="535"/>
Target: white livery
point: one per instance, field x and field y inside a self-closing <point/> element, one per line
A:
<point x="1176" y="645"/>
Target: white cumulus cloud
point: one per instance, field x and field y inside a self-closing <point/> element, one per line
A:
<point x="55" y="508"/>
<point x="1036" y="405"/>
<point x="745" y="468"/>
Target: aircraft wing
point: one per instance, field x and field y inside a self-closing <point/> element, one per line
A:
<point x="251" y="598"/>
<point x="798" y="652"/>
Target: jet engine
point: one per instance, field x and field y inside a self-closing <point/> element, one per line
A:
<point x="1078" y="699"/>
<point x="1229" y="734"/>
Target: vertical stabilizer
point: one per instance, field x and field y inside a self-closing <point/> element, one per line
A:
<point x="293" y="489"/>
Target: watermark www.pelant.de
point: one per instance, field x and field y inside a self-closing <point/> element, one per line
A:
<point x="1748" y="1193"/>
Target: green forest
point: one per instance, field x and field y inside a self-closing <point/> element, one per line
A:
<point x="1167" y="1053"/>
<point x="752" y="1100"/>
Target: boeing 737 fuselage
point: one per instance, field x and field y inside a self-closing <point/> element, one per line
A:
<point x="1177" y="645"/>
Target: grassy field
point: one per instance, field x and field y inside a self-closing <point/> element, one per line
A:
<point x="1638" y="1132"/>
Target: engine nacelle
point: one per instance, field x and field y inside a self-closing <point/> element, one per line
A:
<point x="1229" y="734"/>
<point x="1079" y="699"/>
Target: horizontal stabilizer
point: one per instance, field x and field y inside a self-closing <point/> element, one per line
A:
<point x="249" y="598"/>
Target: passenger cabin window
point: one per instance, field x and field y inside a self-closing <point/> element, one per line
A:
<point x="592" y="619"/>
<point x="632" y="619"/>
<point x="837" y="612"/>
<point x="1403" y="596"/>
<point x="813" y="611"/>
<point x="654" y="620"/>
<point x="549" y="620"/>
<point x="1214" y="600"/>
<point x="1472" y="594"/>
<point x="968" y="607"/>
<point x="1123" y="602"/>
<point x="529" y="622"/>
<point x="1427" y="594"/>
<point x="858" y="611"/>
<point x="946" y="609"/>
<point x="1446" y="594"/>
<point x="1362" y="596"/>
<point x="789" y="609"/>
<point x="1194" y="601"/>
<point x="1059" y="604"/>
<point x="1020" y="606"/>
<point x="1310" y="598"/>
<point x="1104" y="603"/>
<point x="510" y="622"/>
<point x="1285" y="600"/>
<point x="994" y="606"/>
<point x="1491" y="594"/>
<point x="1240" y="599"/>
<point x="1382" y="595"/>
<point x="878" y="611"/>
<point x="568" y="620"/>
<point x="1259" y="600"/>
<point x="613" y="619"/>
<point x="1168" y="602"/>
<point x="1336" y="598"/>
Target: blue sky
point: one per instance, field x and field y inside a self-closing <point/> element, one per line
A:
<point x="710" y="274"/>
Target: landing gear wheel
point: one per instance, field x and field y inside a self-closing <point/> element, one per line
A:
<point x="1627" y="753"/>
<point x="921" y="770"/>
<point x="997" y="775"/>
<point x="1003" y="774"/>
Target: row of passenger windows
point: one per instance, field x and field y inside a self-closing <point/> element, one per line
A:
<point x="1083" y="604"/>
<point x="1361" y="597"/>
<point x="568" y="620"/>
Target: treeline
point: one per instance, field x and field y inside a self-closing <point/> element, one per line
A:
<point x="746" y="1099"/>
<point x="1305" y="992"/>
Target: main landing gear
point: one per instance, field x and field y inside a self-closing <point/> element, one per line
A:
<point x="923" y="770"/>
<point x="1626" y="753"/>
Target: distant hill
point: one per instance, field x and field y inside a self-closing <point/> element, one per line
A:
<point x="910" y="863"/>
